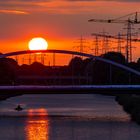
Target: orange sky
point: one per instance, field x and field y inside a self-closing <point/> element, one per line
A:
<point x="60" y="22"/>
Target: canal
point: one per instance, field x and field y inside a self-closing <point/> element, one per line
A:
<point x="65" y="117"/>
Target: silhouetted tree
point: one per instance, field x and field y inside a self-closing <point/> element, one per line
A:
<point x="8" y="71"/>
<point x="115" y="56"/>
<point x="104" y="73"/>
<point x="76" y="66"/>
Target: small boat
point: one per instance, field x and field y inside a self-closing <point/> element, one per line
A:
<point x="19" y="108"/>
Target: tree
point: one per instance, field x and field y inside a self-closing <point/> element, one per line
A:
<point x="76" y="66"/>
<point x="104" y="73"/>
<point x="115" y="56"/>
<point x="8" y="71"/>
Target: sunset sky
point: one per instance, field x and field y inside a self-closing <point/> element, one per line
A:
<point x="60" y="22"/>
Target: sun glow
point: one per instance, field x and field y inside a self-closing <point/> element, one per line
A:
<point x="37" y="125"/>
<point x="38" y="44"/>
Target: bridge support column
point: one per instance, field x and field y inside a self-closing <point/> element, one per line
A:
<point x="16" y="59"/>
<point x="29" y="59"/>
<point x="130" y="80"/>
<point x="110" y="74"/>
<point x="53" y="59"/>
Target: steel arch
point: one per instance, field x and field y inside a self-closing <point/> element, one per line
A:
<point x="73" y="53"/>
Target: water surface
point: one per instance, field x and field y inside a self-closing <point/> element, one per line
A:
<point x="65" y="117"/>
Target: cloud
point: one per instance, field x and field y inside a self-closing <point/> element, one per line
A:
<point x="14" y="12"/>
<point x="56" y="6"/>
<point x="48" y="6"/>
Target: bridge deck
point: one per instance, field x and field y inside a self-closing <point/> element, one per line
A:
<point x="83" y="89"/>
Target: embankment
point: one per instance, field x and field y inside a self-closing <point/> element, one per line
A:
<point x="130" y="104"/>
<point x="5" y="96"/>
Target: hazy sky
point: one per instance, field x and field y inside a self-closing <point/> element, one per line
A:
<point x="59" y="21"/>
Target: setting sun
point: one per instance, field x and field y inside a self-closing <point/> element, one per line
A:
<point x="38" y="44"/>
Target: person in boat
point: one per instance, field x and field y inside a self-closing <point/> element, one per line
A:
<point x="18" y="108"/>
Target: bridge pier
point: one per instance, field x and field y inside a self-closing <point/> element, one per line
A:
<point x="110" y="74"/>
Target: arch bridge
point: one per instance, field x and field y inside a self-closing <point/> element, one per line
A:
<point x="73" y="53"/>
<point x="73" y="88"/>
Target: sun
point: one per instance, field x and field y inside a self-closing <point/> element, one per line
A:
<point x="38" y="43"/>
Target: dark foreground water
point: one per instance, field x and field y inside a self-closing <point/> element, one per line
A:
<point x="65" y="117"/>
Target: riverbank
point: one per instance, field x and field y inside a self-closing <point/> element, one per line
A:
<point x="131" y="105"/>
<point x="7" y="95"/>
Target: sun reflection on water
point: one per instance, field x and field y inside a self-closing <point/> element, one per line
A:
<point x="37" y="125"/>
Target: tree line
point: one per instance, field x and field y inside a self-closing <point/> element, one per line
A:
<point x="98" y="72"/>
